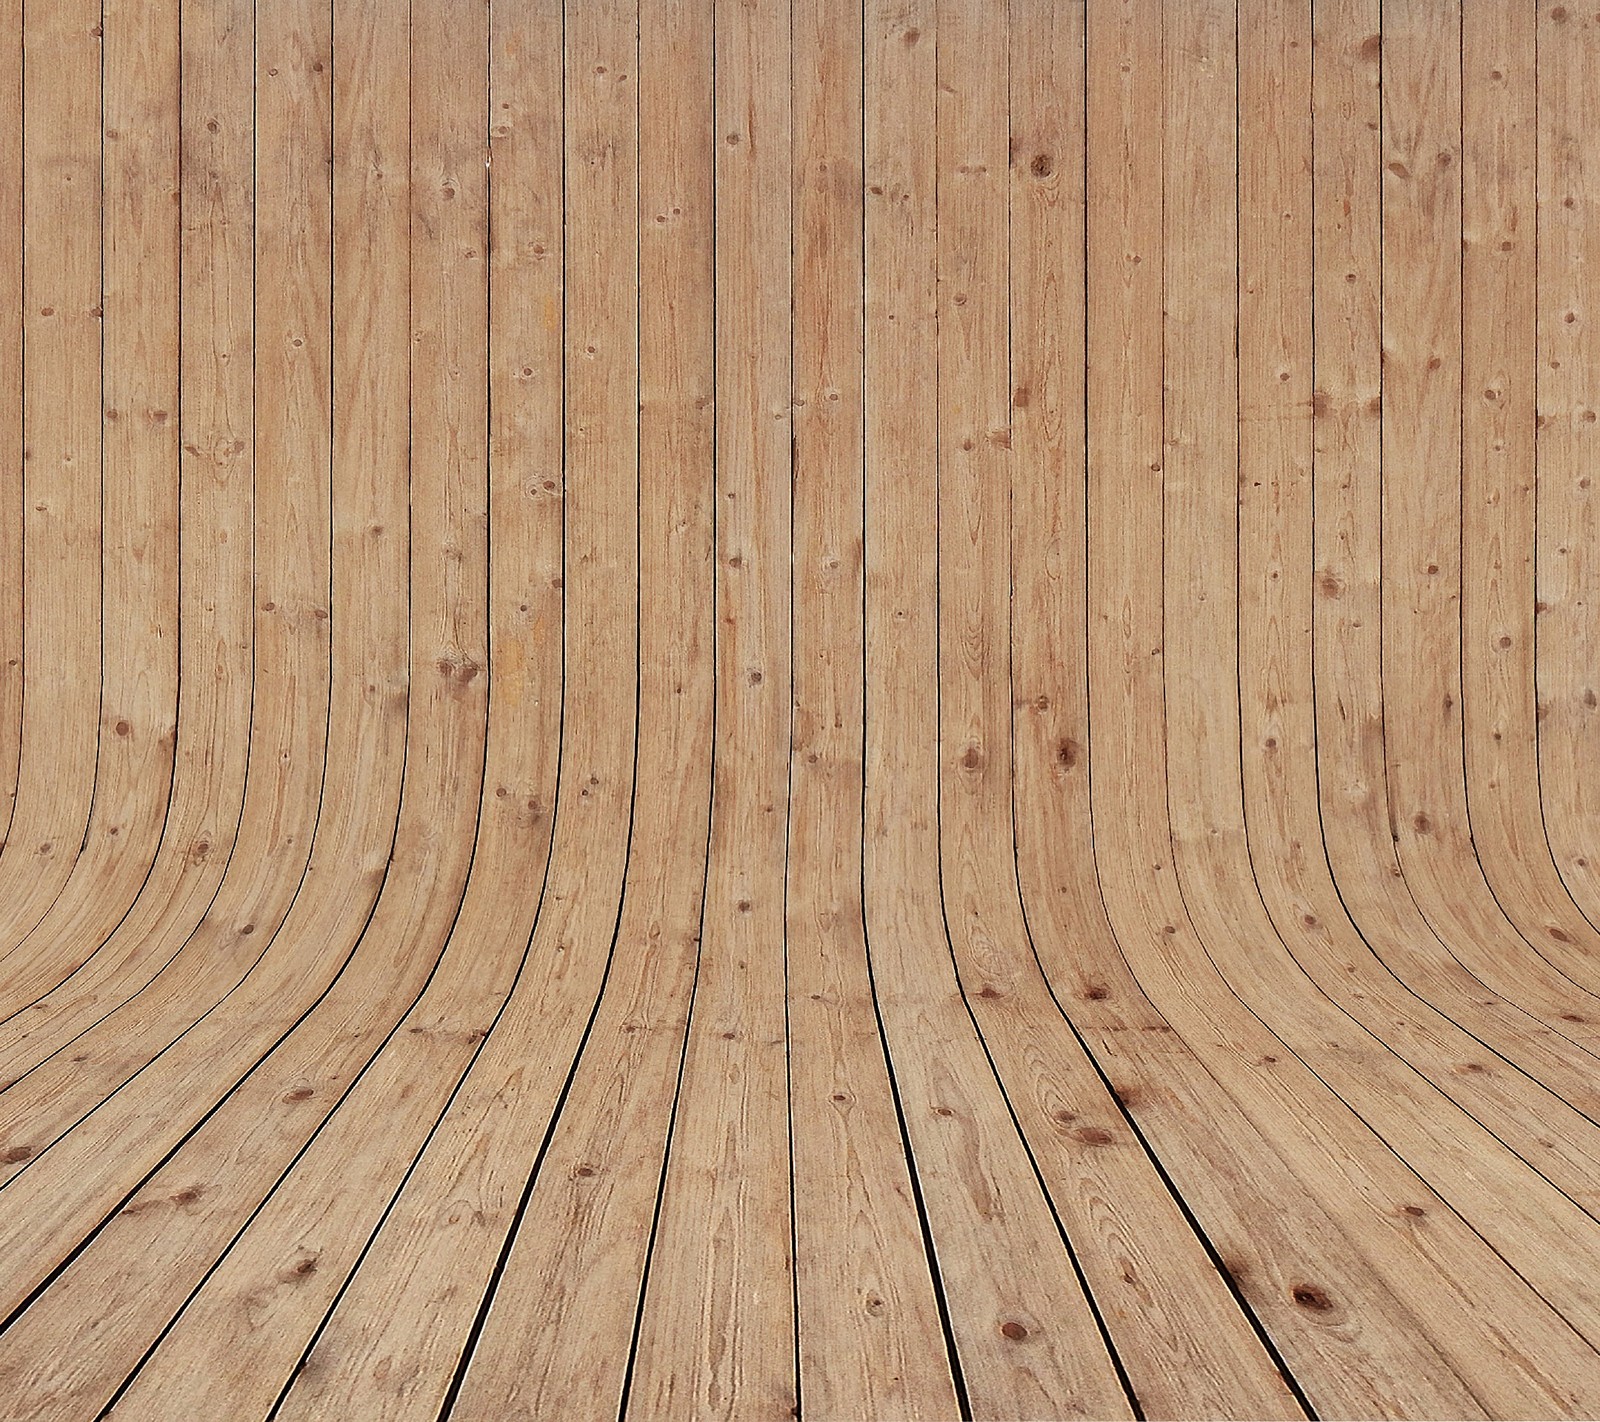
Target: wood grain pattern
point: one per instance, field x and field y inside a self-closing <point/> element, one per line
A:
<point x="862" y="709"/>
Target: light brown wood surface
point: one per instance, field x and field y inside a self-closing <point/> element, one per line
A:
<point x="857" y="709"/>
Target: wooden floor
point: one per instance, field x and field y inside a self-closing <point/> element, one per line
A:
<point x="859" y="709"/>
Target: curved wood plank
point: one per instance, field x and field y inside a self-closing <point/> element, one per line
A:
<point x="1568" y="60"/>
<point x="12" y="518"/>
<point x="60" y="475"/>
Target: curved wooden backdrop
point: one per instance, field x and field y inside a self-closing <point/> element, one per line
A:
<point x="730" y="708"/>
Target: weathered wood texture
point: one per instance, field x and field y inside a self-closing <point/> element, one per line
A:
<point x="859" y="709"/>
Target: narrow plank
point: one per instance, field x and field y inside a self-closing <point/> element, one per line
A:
<point x="61" y="458"/>
<point x="11" y="509"/>
<point x="1199" y="468"/>
<point x="1125" y="449"/>
<point x="1566" y="402"/>
<point x="1347" y="410"/>
<point x="1276" y="285"/>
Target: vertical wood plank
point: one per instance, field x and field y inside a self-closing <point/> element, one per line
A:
<point x="1347" y="411"/>
<point x="1422" y="426"/>
<point x="1499" y="117"/>
<point x="61" y="456"/>
<point x="11" y="435"/>
<point x="1567" y="402"/>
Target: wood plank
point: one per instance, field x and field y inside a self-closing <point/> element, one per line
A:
<point x="61" y="458"/>
<point x="1568" y="73"/>
<point x="12" y="519"/>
